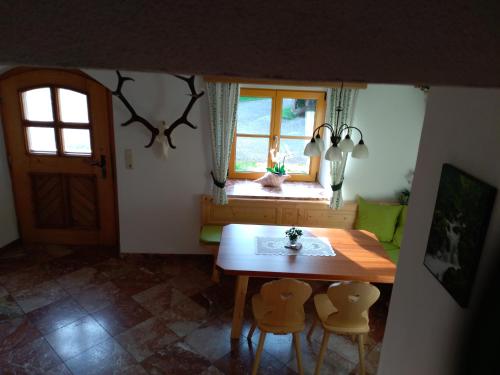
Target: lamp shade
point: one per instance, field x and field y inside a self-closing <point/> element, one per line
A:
<point x="346" y="145"/>
<point x="312" y="149"/>
<point x="333" y="154"/>
<point x="360" y="151"/>
<point x="320" y="143"/>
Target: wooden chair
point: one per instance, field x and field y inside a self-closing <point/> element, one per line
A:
<point x="344" y="310"/>
<point x="279" y="309"/>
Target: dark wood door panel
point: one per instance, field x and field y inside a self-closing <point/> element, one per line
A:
<point x="83" y="203"/>
<point x="48" y="200"/>
<point x="65" y="200"/>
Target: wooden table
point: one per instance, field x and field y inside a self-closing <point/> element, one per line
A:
<point x="359" y="257"/>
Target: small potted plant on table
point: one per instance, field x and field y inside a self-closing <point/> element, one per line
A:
<point x="293" y="235"/>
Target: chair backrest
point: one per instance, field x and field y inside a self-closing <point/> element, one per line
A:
<point x="351" y="299"/>
<point x="285" y="300"/>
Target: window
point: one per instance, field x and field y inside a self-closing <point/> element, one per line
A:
<point x="277" y="120"/>
<point x="56" y="122"/>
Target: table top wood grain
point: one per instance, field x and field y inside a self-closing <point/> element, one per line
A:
<point x="359" y="255"/>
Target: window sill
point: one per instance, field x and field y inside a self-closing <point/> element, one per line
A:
<point x="288" y="190"/>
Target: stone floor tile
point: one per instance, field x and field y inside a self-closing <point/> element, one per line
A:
<point x="114" y="267"/>
<point x="191" y="282"/>
<point x="80" y="279"/>
<point x="36" y="357"/>
<point x="58" y="370"/>
<point x="211" y="340"/>
<point x="146" y="338"/>
<point x="178" y="359"/>
<point x="97" y="297"/>
<point x="9" y="309"/>
<point x="24" y="279"/>
<point x="159" y="303"/>
<point x="184" y="317"/>
<point x="240" y="360"/>
<point x="3" y="292"/>
<point x="342" y="345"/>
<point x="216" y="299"/>
<point x="107" y="357"/>
<point x="77" y="337"/>
<point x="121" y="315"/>
<point x="159" y="298"/>
<point x="16" y="332"/>
<point x="136" y="281"/>
<point x="371" y="361"/>
<point x="41" y="295"/>
<point x="56" y="315"/>
<point x="333" y="363"/>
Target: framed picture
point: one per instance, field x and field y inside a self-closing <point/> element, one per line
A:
<point x="461" y="217"/>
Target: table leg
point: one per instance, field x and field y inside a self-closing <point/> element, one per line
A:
<point x="239" y="306"/>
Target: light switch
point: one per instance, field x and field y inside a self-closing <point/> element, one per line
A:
<point x="129" y="160"/>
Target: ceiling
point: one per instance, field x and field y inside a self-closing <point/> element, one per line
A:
<point x="398" y="41"/>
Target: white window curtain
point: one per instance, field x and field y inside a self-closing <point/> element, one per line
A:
<point x="223" y="104"/>
<point x="337" y="169"/>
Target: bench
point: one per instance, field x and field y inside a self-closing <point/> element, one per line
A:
<point x="275" y="212"/>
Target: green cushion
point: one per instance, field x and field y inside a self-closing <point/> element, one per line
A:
<point x="394" y="255"/>
<point x="379" y="219"/>
<point x="211" y="234"/>
<point x="398" y="234"/>
<point x="392" y="250"/>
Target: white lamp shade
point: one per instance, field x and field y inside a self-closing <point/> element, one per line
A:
<point x="312" y="149"/>
<point x="360" y="151"/>
<point x="321" y="145"/>
<point x="346" y="145"/>
<point x="333" y="154"/>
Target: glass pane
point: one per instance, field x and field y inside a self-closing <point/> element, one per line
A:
<point x="73" y="106"/>
<point x="41" y="140"/>
<point x="251" y="154"/>
<point x="297" y="117"/>
<point x="37" y="105"/>
<point x="254" y="115"/>
<point x="76" y="141"/>
<point x="295" y="161"/>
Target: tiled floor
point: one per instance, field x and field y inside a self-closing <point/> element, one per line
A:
<point x="81" y="311"/>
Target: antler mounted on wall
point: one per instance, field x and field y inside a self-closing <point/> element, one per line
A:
<point x="134" y="117"/>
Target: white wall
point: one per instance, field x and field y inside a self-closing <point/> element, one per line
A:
<point x="159" y="205"/>
<point x="159" y="208"/>
<point x="423" y="334"/>
<point x="390" y="117"/>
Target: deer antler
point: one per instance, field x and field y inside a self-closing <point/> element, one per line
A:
<point x="183" y="119"/>
<point x="134" y="117"/>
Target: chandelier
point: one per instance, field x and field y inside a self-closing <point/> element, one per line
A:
<point x="338" y="145"/>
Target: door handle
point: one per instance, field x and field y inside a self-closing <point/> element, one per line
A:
<point x="101" y="163"/>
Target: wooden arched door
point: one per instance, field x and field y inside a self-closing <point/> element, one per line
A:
<point x="59" y="138"/>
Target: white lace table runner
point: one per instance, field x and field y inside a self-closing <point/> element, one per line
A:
<point x="311" y="246"/>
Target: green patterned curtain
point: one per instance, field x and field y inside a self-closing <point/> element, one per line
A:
<point x="337" y="169"/>
<point x="223" y="104"/>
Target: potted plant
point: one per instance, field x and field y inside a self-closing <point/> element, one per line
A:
<point x="293" y="235"/>
<point x="277" y="174"/>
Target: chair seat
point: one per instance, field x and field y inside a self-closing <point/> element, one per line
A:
<point x="259" y="309"/>
<point x="324" y="308"/>
<point x="211" y="234"/>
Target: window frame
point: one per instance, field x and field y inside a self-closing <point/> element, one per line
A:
<point x="56" y="124"/>
<point x="274" y="137"/>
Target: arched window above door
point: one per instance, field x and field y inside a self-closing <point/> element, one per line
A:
<point x="56" y="121"/>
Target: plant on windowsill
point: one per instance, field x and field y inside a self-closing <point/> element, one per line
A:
<point x="275" y="176"/>
<point x="293" y="235"/>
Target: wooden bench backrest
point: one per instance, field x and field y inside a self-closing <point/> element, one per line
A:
<point x="278" y="212"/>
